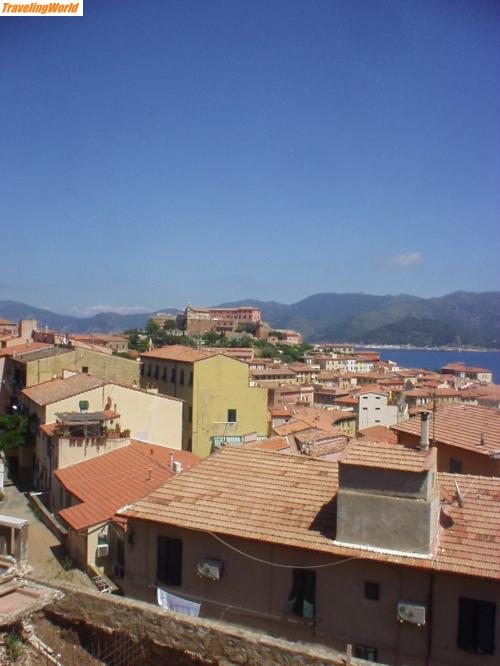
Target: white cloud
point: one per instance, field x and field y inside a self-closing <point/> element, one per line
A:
<point x="90" y="310"/>
<point x="406" y="259"/>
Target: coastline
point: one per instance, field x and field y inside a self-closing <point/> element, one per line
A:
<point x="413" y="348"/>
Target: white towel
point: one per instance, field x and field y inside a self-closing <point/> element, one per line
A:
<point x="171" y="602"/>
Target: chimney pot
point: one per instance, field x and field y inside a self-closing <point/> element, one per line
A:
<point x="424" y="431"/>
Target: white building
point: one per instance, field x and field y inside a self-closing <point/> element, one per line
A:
<point x="374" y="408"/>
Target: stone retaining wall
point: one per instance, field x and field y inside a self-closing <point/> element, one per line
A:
<point x="49" y="520"/>
<point x="209" y="641"/>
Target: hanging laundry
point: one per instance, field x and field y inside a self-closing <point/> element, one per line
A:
<point x="171" y="602"/>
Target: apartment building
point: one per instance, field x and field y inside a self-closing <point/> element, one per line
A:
<point x="467" y="437"/>
<point x="376" y="550"/>
<point x="218" y="400"/>
<point x="146" y="416"/>
<point x="374" y="408"/>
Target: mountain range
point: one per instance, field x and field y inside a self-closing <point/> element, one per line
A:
<point x="462" y="317"/>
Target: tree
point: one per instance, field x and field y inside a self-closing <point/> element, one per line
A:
<point x="14" y="431"/>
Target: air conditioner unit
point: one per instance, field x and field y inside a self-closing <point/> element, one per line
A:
<point x="102" y="550"/>
<point x="411" y="612"/>
<point x="210" y="569"/>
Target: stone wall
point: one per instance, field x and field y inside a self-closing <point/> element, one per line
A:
<point x="208" y="640"/>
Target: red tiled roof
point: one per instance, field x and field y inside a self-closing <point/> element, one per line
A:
<point x="106" y="483"/>
<point x="291" y="427"/>
<point x="378" y="433"/>
<point x="179" y="353"/>
<point x="465" y="426"/>
<point x="347" y="400"/>
<point x="270" y="444"/>
<point x="364" y="453"/>
<point x="290" y="501"/>
<point x="21" y="349"/>
<point x="59" y="389"/>
<point x="373" y="388"/>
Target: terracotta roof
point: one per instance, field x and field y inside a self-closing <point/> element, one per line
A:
<point x="291" y="501"/>
<point x="347" y="400"/>
<point x="106" y="483"/>
<point x="291" y="427"/>
<point x="364" y="453"/>
<point x="372" y="388"/>
<point x="460" y="425"/>
<point x="59" y="389"/>
<point x="277" y="412"/>
<point x="378" y="433"/>
<point x="26" y="347"/>
<point x="49" y="428"/>
<point x="270" y="444"/>
<point x="98" y="336"/>
<point x="179" y="353"/>
<point x="37" y="354"/>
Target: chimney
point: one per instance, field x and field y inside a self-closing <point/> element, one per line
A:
<point x="424" y="431"/>
<point x="171" y="461"/>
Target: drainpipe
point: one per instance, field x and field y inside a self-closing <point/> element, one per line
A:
<point x="430" y="620"/>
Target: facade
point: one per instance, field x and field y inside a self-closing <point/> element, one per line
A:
<point x="148" y="417"/>
<point x="366" y="565"/>
<point x="117" y="343"/>
<point x="226" y="321"/>
<point x="16" y="334"/>
<point x="42" y="363"/>
<point x="374" y="408"/>
<point x="463" y="372"/>
<point x="218" y="400"/>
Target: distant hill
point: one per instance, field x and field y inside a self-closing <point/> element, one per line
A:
<point x="104" y="322"/>
<point x="473" y="318"/>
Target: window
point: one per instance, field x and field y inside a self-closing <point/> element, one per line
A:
<point x="231" y="415"/>
<point x="476" y="626"/>
<point x="173" y="375"/>
<point x="303" y="595"/>
<point x="364" y="652"/>
<point x="164" y="375"/>
<point x="190" y="378"/>
<point x="372" y="591"/>
<point x="169" y="561"/>
<point x="148" y="373"/>
<point x="157" y="372"/>
<point x="181" y="378"/>
<point x="455" y="466"/>
<point x="85" y="369"/>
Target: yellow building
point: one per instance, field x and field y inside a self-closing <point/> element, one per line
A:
<point x="218" y="399"/>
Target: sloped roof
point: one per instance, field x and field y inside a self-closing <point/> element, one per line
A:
<point x="378" y="433"/>
<point x="363" y="453"/>
<point x="465" y="426"/>
<point x="60" y="389"/>
<point x="291" y="501"/>
<point x="22" y="348"/>
<point x="113" y="479"/>
<point x="179" y="353"/>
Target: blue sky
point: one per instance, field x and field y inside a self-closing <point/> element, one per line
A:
<point x="162" y="151"/>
